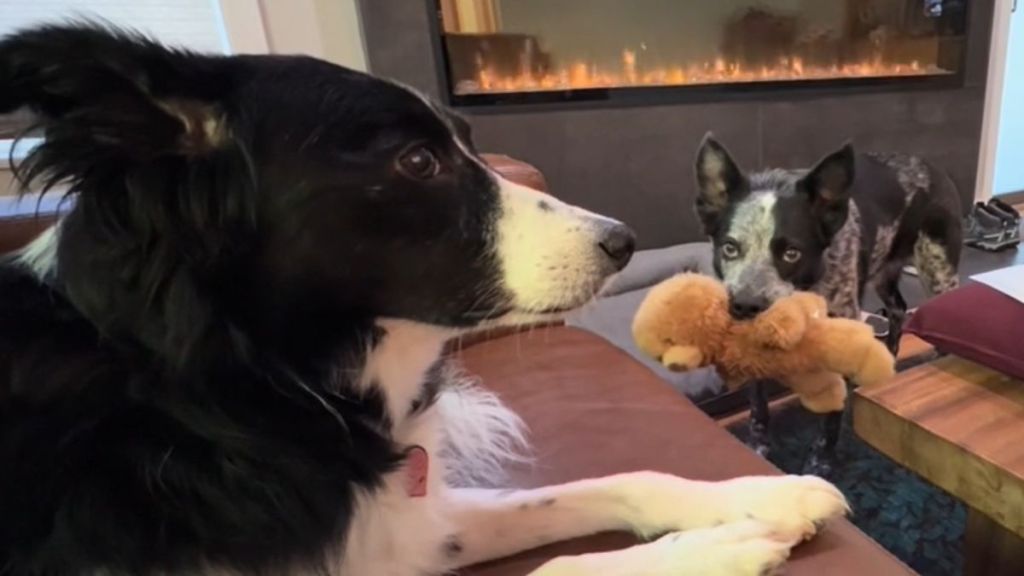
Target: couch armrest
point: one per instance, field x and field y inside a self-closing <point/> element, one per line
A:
<point x="649" y="267"/>
<point x="517" y="171"/>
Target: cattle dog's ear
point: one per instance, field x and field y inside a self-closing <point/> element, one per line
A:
<point x="719" y="182"/>
<point x="827" y="187"/>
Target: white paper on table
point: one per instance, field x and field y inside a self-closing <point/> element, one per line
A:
<point x="1009" y="281"/>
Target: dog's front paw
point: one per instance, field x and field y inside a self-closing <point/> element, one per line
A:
<point x="795" y="505"/>
<point x="750" y="548"/>
<point x="654" y="503"/>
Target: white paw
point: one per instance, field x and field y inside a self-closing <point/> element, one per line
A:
<point x="795" y="505"/>
<point x="750" y="548"/>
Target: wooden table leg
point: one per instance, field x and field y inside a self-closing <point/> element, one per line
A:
<point x="990" y="549"/>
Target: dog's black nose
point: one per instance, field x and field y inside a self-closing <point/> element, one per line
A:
<point x="746" y="307"/>
<point x="618" y="242"/>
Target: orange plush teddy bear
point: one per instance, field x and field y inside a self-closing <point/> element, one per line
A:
<point x="684" y="323"/>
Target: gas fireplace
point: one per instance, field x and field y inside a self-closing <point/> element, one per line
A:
<point x="541" y="51"/>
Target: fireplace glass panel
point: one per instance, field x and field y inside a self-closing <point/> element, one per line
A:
<point x="503" y="47"/>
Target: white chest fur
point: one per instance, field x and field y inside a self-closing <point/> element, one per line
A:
<point x="395" y="534"/>
<point x="467" y="435"/>
<point x="399" y="363"/>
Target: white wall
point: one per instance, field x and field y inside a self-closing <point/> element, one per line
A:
<point x="342" y="33"/>
<point x="1009" y="168"/>
<point x="328" y="29"/>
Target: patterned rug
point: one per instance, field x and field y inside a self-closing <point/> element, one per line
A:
<point x="920" y="524"/>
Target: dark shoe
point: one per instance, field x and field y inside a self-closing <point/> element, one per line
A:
<point x="993" y="227"/>
<point x="979" y="222"/>
<point x="1003" y="210"/>
<point x="879" y="322"/>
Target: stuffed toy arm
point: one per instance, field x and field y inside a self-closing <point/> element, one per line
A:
<point x="850" y="348"/>
<point x="819" y="392"/>
<point x="784" y="324"/>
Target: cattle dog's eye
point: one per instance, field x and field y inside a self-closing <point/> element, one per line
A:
<point x="730" y="250"/>
<point x="419" y="163"/>
<point x="791" y="255"/>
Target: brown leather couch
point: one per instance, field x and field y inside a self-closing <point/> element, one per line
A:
<point x="592" y="411"/>
<point x="19" y="227"/>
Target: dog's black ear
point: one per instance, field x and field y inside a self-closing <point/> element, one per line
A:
<point x="719" y="182"/>
<point x="113" y="95"/>
<point x="141" y="135"/>
<point x="827" y="186"/>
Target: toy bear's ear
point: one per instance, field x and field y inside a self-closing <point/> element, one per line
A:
<point x="827" y="187"/>
<point x="719" y="182"/>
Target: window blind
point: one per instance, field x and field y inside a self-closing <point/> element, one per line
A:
<point x="196" y="24"/>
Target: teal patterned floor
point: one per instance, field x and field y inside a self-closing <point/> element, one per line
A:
<point x="920" y="524"/>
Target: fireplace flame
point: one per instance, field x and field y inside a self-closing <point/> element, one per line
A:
<point x="582" y="75"/>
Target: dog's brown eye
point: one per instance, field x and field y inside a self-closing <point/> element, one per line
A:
<point x="419" y="163"/>
<point x="730" y="250"/>
<point x="791" y="255"/>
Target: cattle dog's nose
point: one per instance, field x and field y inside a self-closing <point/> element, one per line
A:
<point x="743" y="307"/>
<point x="618" y="242"/>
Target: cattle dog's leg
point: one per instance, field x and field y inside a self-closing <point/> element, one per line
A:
<point x="888" y="289"/>
<point x="845" y="302"/>
<point x="822" y="459"/>
<point x="760" y="418"/>
<point x="937" y="260"/>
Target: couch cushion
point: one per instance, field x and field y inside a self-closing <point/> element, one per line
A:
<point x="648" y="267"/>
<point x="593" y="411"/>
<point x="976" y="322"/>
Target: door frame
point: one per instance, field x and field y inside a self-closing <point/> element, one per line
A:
<point x="243" y="26"/>
<point x="993" y="99"/>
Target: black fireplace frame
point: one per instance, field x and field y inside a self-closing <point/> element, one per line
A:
<point x="662" y="95"/>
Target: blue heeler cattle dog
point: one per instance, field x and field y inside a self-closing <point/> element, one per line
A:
<point x="850" y="221"/>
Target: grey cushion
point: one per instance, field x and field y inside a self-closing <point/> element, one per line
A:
<point x="612" y="316"/>
<point x="648" y="267"/>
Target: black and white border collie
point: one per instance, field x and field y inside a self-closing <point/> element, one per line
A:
<point x="225" y="358"/>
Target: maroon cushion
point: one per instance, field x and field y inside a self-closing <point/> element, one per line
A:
<point x="978" y="323"/>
